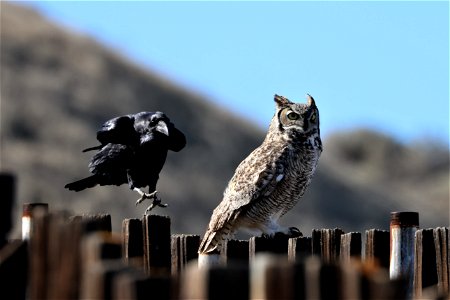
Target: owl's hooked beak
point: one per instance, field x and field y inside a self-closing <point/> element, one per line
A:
<point x="162" y="127"/>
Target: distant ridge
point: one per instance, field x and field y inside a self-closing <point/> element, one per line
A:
<point x="57" y="87"/>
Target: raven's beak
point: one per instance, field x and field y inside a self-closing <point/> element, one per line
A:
<point x="162" y="127"/>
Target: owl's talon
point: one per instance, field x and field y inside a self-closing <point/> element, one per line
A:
<point x="294" y="232"/>
<point x="265" y="235"/>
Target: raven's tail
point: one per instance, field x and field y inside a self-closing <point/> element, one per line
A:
<point x="82" y="184"/>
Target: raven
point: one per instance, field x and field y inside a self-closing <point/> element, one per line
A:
<point x="133" y="149"/>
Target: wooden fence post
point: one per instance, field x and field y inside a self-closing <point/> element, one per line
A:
<point x="350" y="246"/>
<point x="55" y="262"/>
<point x="327" y="243"/>
<point x="313" y="265"/>
<point x="236" y="251"/>
<point x="27" y="217"/>
<point x="425" y="272"/>
<point x="377" y="247"/>
<point x="97" y="222"/>
<point x="215" y="282"/>
<point x="7" y="188"/>
<point x="271" y="277"/>
<point x="39" y="243"/>
<point x="184" y="248"/>
<point x="157" y="243"/>
<point x="299" y="248"/>
<point x="441" y="243"/>
<point x="133" y="242"/>
<point x="193" y="282"/>
<point x="330" y="281"/>
<point x="101" y="260"/>
<point x="228" y="282"/>
<point x="14" y="270"/>
<point x="403" y="227"/>
<point x="277" y="244"/>
<point x="135" y="285"/>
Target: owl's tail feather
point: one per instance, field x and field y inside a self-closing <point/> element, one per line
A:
<point x="209" y="243"/>
<point x="213" y="241"/>
<point x="82" y="184"/>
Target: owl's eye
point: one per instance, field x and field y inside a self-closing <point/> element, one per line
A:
<point x="292" y="115"/>
<point x="313" y="117"/>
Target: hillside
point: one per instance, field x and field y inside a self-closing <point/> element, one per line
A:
<point x="58" y="86"/>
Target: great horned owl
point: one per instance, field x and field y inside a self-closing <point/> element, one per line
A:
<point x="133" y="150"/>
<point x="271" y="180"/>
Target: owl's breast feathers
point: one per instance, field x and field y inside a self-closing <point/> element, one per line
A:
<point x="289" y="167"/>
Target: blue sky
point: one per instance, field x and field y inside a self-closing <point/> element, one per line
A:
<point x="382" y="65"/>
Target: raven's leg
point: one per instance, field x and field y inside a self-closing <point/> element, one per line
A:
<point x="153" y="195"/>
<point x="143" y="195"/>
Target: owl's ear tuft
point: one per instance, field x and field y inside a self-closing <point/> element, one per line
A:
<point x="281" y="101"/>
<point x="310" y="100"/>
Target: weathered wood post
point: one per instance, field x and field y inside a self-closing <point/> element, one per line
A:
<point x="403" y="227"/>
<point x="133" y="284"/>
<point x="66" y="261"/>
<point x="326" y="243"/>
<point x="7" y="188"/>
<point x="39" y="243"/>
<point x="277" y="244"/>
<point x="377" y="247"/>
<point x="299" y="248"/>
<point x="441" y="243"/>
<point x="157" y="243"/>
<point x="184" y="249"/>
<point x="425" y="273"/>
<point x="133" y="242"/>
<point x="271" y="277"/>
<point x="13" y="270"/>
<point x="101" y="261"/>
<point x="13" y="255"/>
<point x="97" y="222"/>
<point x="350" y="246"/>
<point x="236" y="251"/>
<point x="27" y="217"/>
<point x="214" y="282"/>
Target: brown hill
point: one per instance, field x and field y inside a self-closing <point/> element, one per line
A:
<point x="58" y="86"/>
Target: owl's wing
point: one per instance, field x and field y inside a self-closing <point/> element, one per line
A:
<point x="248" y="186"/>
<point x="252" y="180"/>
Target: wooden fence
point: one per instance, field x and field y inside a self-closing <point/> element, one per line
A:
<point x="78" y="257"/>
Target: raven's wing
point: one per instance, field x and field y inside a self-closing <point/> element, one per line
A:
<point x="119" y="130"/>
<point x="177" y="140"/>
<point x="113" y="160"/>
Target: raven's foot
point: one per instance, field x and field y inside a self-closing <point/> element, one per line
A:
<point x="156" y="202"/>
<point x="153" y="195"/>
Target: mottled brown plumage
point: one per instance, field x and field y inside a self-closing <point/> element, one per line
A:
<point x="271" y="180"/>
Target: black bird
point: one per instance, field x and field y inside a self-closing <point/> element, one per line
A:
<point x="133" y="150"/>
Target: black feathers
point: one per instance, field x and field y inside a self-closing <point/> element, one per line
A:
<point x="133" y="150"/>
